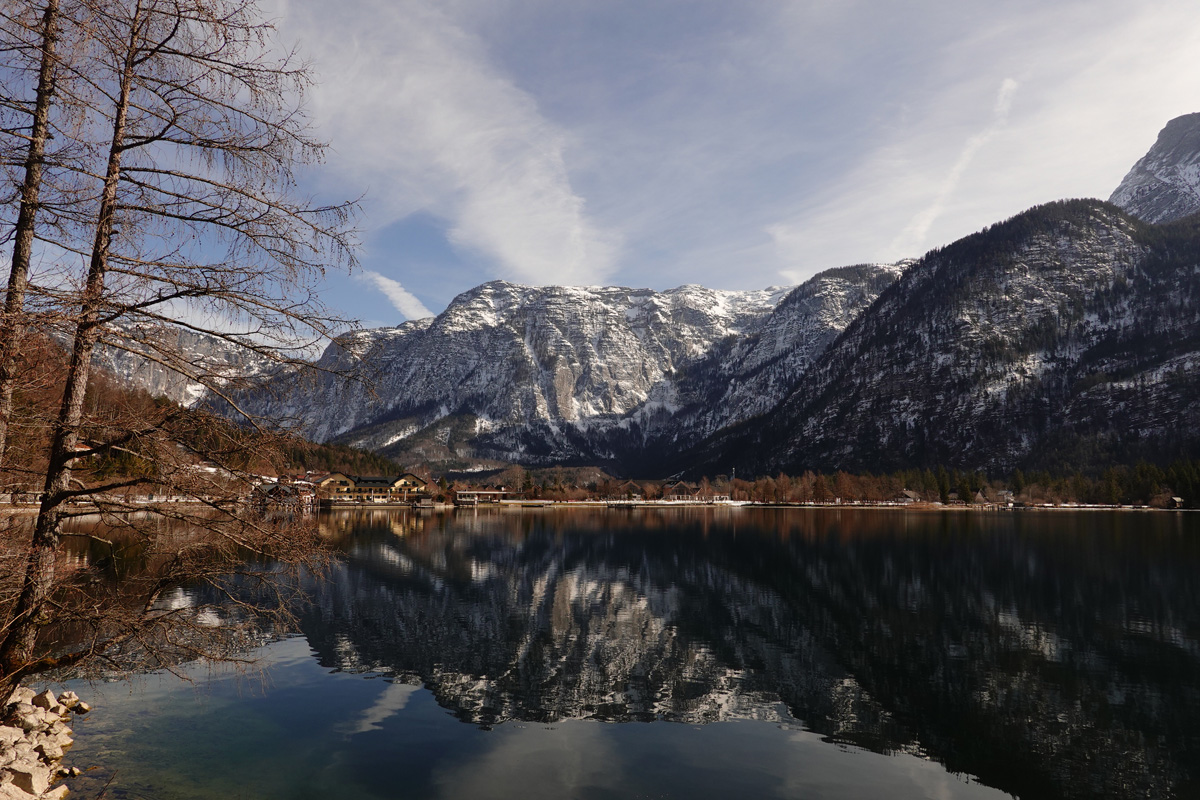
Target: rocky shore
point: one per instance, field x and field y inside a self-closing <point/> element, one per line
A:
<point x="34" y="735"/>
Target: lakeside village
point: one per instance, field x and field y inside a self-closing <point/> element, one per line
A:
<point x="1143" y="486"/>
<point x="311" y="490"/>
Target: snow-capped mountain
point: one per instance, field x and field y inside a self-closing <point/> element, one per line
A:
<point x="175" y="362"/>
<point x="1069" y="333"/>
<point x="568" y="374"/>
<point x="1165" y="184"/>
<point x="1065" y="336"/>
<point x="764" y="366"/>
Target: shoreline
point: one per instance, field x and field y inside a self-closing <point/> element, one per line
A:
<point x="34" y="738"/>
<point x="626" y="505"/>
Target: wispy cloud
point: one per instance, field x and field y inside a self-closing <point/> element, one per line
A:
<point x="402" y="299"/>
<point x="390" y="702"/>
<point x="419" y="114"/>
<point x="654" y="144"/>
<point x="913" y="237"/>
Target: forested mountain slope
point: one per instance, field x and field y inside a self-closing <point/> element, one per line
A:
<point x="1065" y="336"/>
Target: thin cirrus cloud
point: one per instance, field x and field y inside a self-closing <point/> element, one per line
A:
<point x="419" y="116"/>
<point x="914" y="235"/>
<point x="952" y="153"/>
<point x="401" y="299"/>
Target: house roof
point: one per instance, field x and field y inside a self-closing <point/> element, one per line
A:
<point x="276" y="489"/>
<point x="373" y="481"/>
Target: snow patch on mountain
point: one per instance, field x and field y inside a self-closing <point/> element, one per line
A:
<point x="551" y="374"/>
<point x="1164" y="185"/>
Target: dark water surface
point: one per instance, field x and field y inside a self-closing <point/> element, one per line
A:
<point x="699" y="653"/>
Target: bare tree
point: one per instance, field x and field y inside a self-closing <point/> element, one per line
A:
<point x="21" y="37"/>
<point x="194" y="225"/>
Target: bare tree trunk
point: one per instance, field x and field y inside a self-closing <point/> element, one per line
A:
<point x="11" y="325"/>
<point x="17" y="650"/>
<point x="213" y="130"/>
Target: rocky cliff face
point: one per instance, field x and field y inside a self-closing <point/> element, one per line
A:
<point x="761" y="368"/>
<point x="1068" y="335"/>
<point x="1064" y="336"/>
<point x="1165" y="184"/>
<point x="175" y="362"/>
<point x="562" y="374"/>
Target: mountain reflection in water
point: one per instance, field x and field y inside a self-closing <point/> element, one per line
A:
<point x="1049" y="654"/>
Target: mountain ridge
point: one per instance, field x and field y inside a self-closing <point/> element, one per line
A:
<point x="574" y="375"/>
<point x="1164" y="185"/>
<point x="1069" y="332"/>
<point x="1065" y="335"/>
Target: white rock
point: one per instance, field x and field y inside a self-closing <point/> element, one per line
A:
<point x="10" y="792"/>
<point x="21" y="709"/>
<point x="50" y="750"/>
<point x="32" y="745"/>
<point x="38" y="720"/>
<point x="26" y="722"/>
<point x="33" y="778"/>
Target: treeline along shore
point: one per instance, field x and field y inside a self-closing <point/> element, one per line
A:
<point x="1140" y="485"/>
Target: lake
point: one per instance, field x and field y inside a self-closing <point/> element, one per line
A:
<point x="693" y="653"/>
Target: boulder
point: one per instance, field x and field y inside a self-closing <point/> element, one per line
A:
<point x="33" y="777"/>
<point x="29" y="719"/>
<point x="44" y="700"/>
<point x="48" y="702"/>
<point x="38" y="720"/>
<point x="50" y="750"/>
<point x="32" y="743"/>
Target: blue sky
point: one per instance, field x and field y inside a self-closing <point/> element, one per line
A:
<point x="736" y="145"/>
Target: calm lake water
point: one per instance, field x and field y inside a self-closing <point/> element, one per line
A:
<point x="697" y="653"/>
